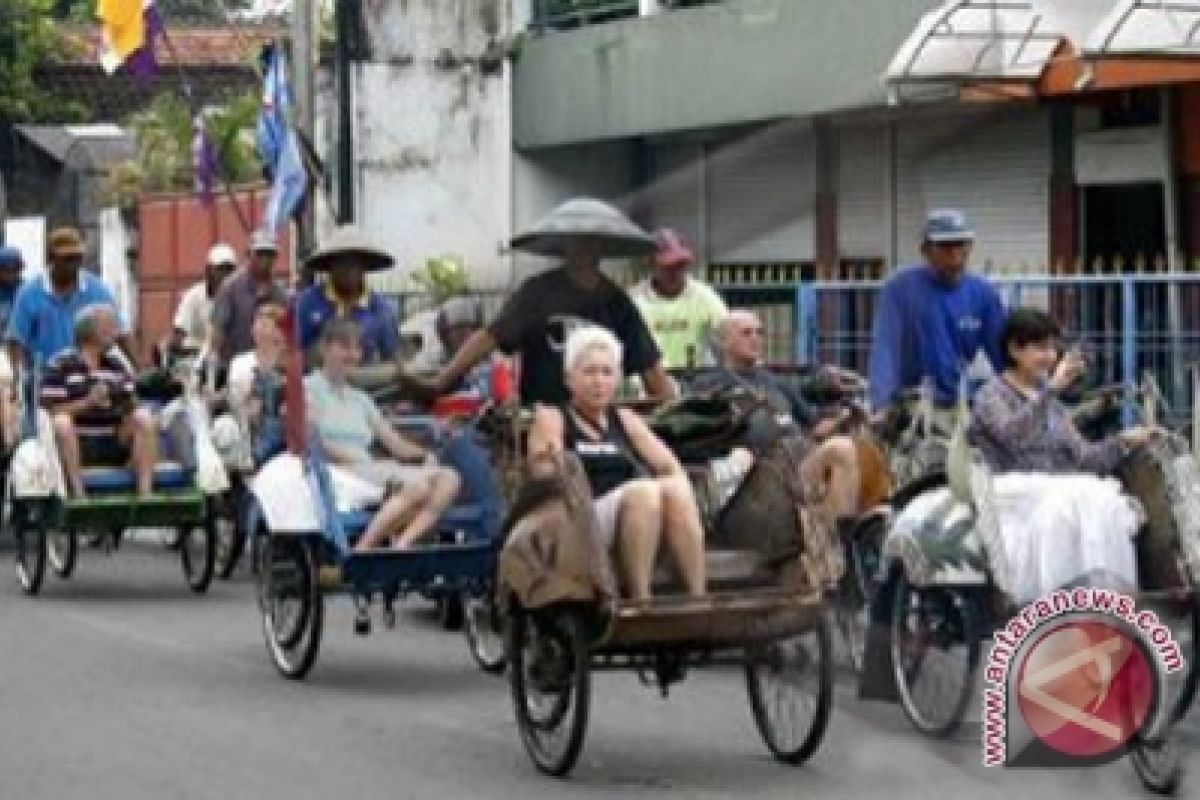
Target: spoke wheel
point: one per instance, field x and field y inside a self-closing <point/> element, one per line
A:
<point x="935" y="655"/>
<point x="292" y="605"/>
<point x="1183" y="618"/>
<point x="550" y="677"/>
<point x="31" y="557"/>
<point x="198" y="553"/>
<point x="62" y="551"/>
<point x="1159" y="765"/>
<point x="790" y="683"/>
<point x="484" y="628"/>
<point x="231" y="533"/>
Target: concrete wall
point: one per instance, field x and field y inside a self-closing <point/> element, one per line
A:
<point x="731" y="62"/>
<point x="545" y="178"/>
<point x="433" y="134"/>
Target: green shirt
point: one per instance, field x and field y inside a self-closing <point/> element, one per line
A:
<point x="681" y="324"/>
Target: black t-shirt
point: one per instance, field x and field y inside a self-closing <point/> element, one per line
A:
<point x="787" y="412"/>
<point x="536" y="320"/>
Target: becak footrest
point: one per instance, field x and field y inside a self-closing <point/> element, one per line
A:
<point x="167" y="475"/>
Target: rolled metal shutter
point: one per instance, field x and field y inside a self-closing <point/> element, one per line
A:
<point x="673" y="199"/>
<point x="862" y="165"/>
<point x="994" y="165"/>
<point x="760" y="196"/>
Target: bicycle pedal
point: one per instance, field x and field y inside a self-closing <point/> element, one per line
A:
<point x="329" y="577"/>
<point x="362" y="625"/>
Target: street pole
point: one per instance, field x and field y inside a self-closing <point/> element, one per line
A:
<point x="345" y="20"/>
<point x="303" y="56"/>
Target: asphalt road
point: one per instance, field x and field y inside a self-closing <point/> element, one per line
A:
<point x="121" y="684"/>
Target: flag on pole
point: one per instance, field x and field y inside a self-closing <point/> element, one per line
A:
<point x="143" y="63"/>
<point x="129" y="31"/>
<point x="277" y="143"/>
<point x="276" y="107"/>
<point x="204" y="159"/>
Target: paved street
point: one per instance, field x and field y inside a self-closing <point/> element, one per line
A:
<point x="120" y="684"/>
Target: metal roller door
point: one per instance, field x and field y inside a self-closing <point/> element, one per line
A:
<point x="994" y="164"/>
<point x="862" y="154"/>
<point x="760" y="196"/>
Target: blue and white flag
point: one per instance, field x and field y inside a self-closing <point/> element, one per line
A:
<point x="277" y="143"/>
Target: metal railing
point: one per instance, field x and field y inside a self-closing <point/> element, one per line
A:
<point x="1130" y="325"/>
<point x="559" y="14"/>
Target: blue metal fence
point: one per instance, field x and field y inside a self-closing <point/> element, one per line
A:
<point x="1129" y="324"/>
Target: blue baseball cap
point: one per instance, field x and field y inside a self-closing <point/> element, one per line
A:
<point x="11" y="257"/>
<point x="947" y="225"/>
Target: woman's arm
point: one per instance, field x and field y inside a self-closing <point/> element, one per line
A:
<point x="545" y="440"/>
<point x="649" y="447"/>
<point x="396" y="445"/>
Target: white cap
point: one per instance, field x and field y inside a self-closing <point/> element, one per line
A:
<point x="222" y="253"/>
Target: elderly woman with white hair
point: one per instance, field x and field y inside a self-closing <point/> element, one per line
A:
<point x="642" y="494"/>
<point x="90" y="395"/>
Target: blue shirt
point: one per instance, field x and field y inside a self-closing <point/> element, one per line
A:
<point x="43" y="322"/>
<point x="374" y="314"/>
<point x="926" y="328"/>
<point x="8" y="295"/>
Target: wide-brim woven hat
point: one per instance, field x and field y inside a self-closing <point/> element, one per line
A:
<point x="614" y="234"/>
<point x="349" y="240"/>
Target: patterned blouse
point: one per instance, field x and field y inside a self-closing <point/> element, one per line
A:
<point x="1020" y="434"/>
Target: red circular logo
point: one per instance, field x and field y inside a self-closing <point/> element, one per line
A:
<point x="1085" y="688"/>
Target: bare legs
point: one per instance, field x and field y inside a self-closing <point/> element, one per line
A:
<point x="68" y="453"/>
<point x="138" y="433"/>
<point x="831" y="471"/>
<point x="412" y="512"/>
<point x="652" y="510"/>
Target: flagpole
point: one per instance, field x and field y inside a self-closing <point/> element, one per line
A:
<point x="302" y="86"/>
<point x="192" y="105"/>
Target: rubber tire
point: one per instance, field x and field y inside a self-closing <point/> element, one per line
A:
<point x="62" y="563"/>
<point x="199" y="576"/>
<point x="450" y="612"/>
<point x="31" y="558"/>
<point x="1158" y="776"/>
<point x="237" y="544"/>
<point x="824" y="709"/>
<point x="1187" y="695"/>
<point x="293" y="655"/>
<point x="971" y="628"/>
<point x="491" y="663"/>
<point x="571" y="623"/>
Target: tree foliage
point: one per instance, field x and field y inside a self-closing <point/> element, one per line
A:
<point x="164" y="134"/>
<point x="28" y="40"/>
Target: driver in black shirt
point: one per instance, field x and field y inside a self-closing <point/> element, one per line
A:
<point x="542" y="313"/>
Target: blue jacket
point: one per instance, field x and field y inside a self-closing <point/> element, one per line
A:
<point x="925" y="327"/>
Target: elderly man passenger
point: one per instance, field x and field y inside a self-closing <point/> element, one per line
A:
<point x="642" y="495"/>
<point x="831" y="467"/>
<point x="348" y="423"/>
<point x="91" y="398"/>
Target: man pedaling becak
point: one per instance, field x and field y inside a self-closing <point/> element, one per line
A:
<point x="831" y="469"/>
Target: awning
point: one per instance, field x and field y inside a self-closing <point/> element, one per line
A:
<point x="967" y="41"/>
<point x="1151" y="28"/>
<point x="1033" y="48"/>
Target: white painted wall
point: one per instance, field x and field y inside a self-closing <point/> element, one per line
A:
<point x="433" y="134"/>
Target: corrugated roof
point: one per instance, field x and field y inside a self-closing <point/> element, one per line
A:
<point x="235" y="46"/>
<point x="84" y="145"/>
